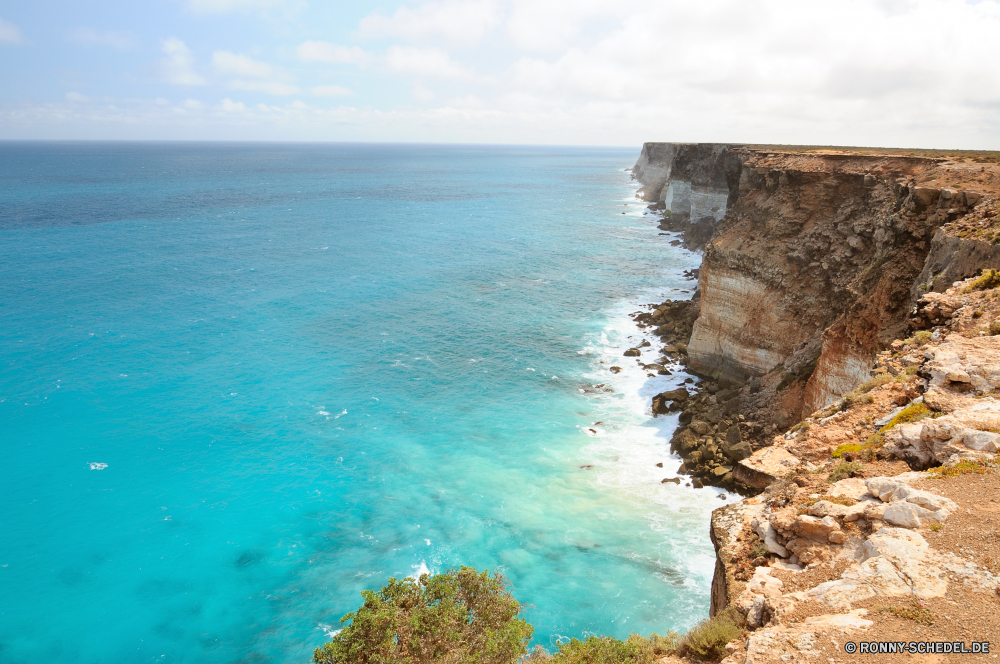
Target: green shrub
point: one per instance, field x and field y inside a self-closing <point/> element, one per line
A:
<point x="708" y="640"/>
<point x="922" y="337"/>
<point x="994" y="328"/>
<point x="606" y="650"/>
<point x="844" y="470"/>
<point x="846" y="447"/>
<point x="459" y="616"/>
<point x="990" y="279"/>
<point x="913" y="413"/>
<point x="917" y="612"/>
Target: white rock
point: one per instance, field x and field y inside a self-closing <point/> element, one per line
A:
<point x="883" y="487"/>
<point x="852" y="487"/>
<point x="766" y="532"/>
<point x="906" y="515"/>
<point x="925" y="499"/>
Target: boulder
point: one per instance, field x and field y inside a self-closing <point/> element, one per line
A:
<point x="766" y="532"/>
<point x="966" y="432"/>
<point x="632" y="352"/>
<point x="699" y="427"/>
<point x="684" y="441"/>
<point x="737" y="452"/>
<point x="765" y="466"/>
<point x="908" y="515"/>
<point x="680" y="394"/>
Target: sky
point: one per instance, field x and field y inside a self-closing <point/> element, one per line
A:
<point x="893" y="73"/>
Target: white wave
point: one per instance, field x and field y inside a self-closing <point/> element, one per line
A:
<point x="419" y="571"/>
<point x="96" y="465"/>
<point x="329" y="630"/>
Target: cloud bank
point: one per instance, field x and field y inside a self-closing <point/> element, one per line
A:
<point x="862" y="72"/>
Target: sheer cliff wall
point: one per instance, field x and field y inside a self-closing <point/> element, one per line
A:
<point x="811" y="262"/>
<point x="689" y="183"/>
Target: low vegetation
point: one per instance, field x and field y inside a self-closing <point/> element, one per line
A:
<point x="917" y="612"/>
<point x="988" y="280"/>
<point x="910" y="414"/>
<point x="859" y="394"/>
<point x="845" y="470"/>
<point x="964" y="467"/>
<point x="459" y="616"/>
<point x="468" y="617"/>
<point x="708" y="640"/>
<point x="606" y="650"/>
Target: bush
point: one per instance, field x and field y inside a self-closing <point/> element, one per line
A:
<point x="606" y="650"/>
<point x="922" y="337"/>
<point x="459" y="616"/>
<point x="846" y="447"/>
<point x="860" y="393"/>
<point x="994" y="328"/>
<point x="844" y="470"/>
<point x="989" y="279"/>
<point x="708" y="640"/>
<point x="914" y="413"/>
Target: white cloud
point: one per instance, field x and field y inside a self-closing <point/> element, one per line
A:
<point x="235" y="64"/>
<point x="422" y="93"/>
<point x="9" y="34"/>
<point x="860" y="72"/>
<point x="321" y="51"/>
<point x="89" y="36"/>
<point x="252" y="75"/>
<point x="430" y="62"/>
<point x="178" y="67"/>
<point x="75" y="97"/>
<point x="456" y="21"/>
<point x="331" y="91"/>
<point x="231" y="106"/>
<point x="551" y="25"/>
<point x="269" y="87"/>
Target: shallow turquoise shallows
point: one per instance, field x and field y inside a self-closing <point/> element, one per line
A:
<point x="241" y="383"/>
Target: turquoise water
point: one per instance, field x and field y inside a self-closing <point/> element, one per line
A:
<point x="309" y="368"/>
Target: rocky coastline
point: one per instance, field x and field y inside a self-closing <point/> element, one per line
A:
<point x="846" y="336"/>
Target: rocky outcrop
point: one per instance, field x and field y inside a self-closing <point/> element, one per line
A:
<point x="689" y="183"/>
<point x="903" y="541"/>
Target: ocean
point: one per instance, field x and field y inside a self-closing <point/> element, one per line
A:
<point x="241" y="383"/>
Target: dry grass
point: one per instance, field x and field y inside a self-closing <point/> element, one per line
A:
<point x="708" y="640"/>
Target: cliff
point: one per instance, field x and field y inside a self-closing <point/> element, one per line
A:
<point x="689" y="183"/>
<point x="875" y="515"/>
<point x="813" y="259"/>
<point x="847" y="542"/>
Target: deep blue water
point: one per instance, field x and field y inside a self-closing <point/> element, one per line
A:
<point x="309" y="368"/>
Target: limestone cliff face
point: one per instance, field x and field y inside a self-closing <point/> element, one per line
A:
<point x="812" y="265"/>
<point x="813" y="259"/>
<point x="689" y="182"/>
